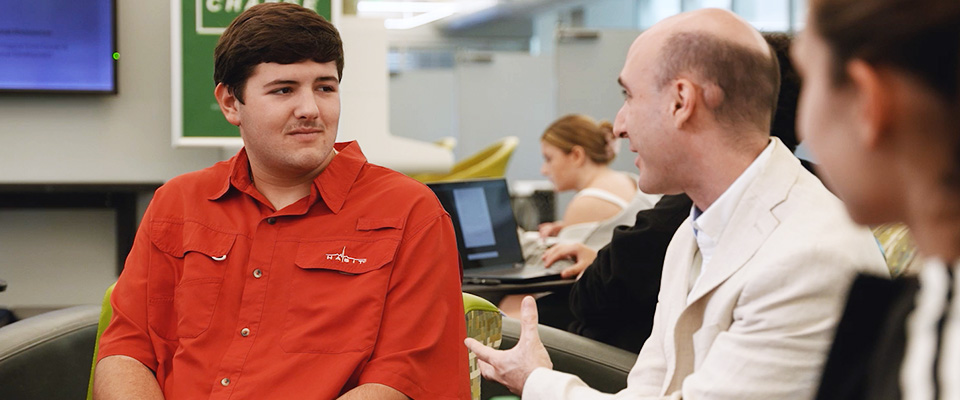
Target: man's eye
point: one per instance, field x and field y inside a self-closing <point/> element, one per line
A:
<point x="327" y="89"/>
<point x="283" y="90"/>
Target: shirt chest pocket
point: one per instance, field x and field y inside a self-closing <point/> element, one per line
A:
<point x="337" y="294"/>
<point x="205" y="256"/>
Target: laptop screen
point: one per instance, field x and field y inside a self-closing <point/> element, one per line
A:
<point x="483" y="219"/>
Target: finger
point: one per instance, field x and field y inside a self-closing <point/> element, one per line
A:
<point x="529" y="320"/>
<point x="549" y="257"/>
<point x="488" y="371"/>
<point x="548" y="252"/>
<point x="585" y="254"/>
<point x="544" y="229"/>
<point x="557" y="252"/>
<point x="483" y="353"/>
<point x="574" y="270"/>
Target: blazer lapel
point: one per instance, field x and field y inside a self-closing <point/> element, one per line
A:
<point x="673" y="290"/>
<point x="752" y="221"/>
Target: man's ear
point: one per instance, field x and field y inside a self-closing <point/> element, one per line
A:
<point x="683" y="101"/>
<point x="873" y="96"/>
<point x="229" y="104"/>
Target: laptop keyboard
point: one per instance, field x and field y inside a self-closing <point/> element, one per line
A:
<point x="535" y="261"/>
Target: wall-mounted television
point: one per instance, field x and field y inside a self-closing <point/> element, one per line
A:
<point x="49" y="46"/>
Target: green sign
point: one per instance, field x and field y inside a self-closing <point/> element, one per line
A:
<point x="197" y="25"/>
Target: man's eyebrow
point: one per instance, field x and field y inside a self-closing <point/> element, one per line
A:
<point x="280" y="82"/>
<point x="325" y="78"/>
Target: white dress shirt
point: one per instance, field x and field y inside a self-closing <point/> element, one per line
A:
<point x="708" y="225"/>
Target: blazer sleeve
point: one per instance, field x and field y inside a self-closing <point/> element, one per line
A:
<point x="643" y="382"/>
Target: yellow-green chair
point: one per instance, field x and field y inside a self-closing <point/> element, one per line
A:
<point x="898" y="248"/>
<point x="483" y="324"/>
<point x="490" y="162"/>
<point x="106" y="312"/>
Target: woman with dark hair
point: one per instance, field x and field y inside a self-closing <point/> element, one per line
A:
<point x="880" y="108"/>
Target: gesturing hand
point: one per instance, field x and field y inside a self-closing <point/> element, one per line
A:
<point x="512" y="367"/>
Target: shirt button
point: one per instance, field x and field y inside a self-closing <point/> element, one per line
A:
<point x="225" y="381"/>
<point x="245" y="332"/>
<point x="257" y="273"/>
<point x="271" y="220"/>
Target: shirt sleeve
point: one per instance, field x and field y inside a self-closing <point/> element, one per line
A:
<point x="130" y="332"/>
<point x="420" y="349"/>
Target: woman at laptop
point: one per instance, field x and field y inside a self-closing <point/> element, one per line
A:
<point x="577" y="152"/>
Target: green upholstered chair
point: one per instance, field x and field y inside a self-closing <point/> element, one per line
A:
<point x="484" y="323"/>
<point x="106" y="312"/>
<point x="898" y="248"/>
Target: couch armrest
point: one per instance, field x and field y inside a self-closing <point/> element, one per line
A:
<point x="48" y="356"/>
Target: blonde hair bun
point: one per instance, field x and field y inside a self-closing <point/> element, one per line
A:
<point x="597" y="139"/>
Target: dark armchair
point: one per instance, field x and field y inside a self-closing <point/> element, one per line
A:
<point x="48" y="356"/>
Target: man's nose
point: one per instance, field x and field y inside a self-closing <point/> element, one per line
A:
<point x="619" y="126"/>
<point x="307" y="105"/>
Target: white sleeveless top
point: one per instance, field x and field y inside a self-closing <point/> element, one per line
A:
<point x="603" y="195"/>
<point x="597" y="234"/>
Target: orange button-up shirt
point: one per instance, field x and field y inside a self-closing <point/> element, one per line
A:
<point x="359" y="282"/>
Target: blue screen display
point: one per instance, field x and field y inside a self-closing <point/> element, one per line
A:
<point x="57" y="45"/>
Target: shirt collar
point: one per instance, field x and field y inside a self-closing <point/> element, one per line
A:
<point x="333" y="183"/>
<point x="712" y="221"/>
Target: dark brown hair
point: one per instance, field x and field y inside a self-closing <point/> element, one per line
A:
<point x="919" y="37"/>
<point x="784" y="125"/>
<point x="748" y="78"/>
<point x="596" y="139"/>
<point x="282" y="33"/>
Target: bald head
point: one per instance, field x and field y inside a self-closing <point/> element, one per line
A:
<point x="722" y="24"/>
<point x="721" y="53"/>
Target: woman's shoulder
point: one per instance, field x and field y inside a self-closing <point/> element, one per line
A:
<point x="613" y="186"/>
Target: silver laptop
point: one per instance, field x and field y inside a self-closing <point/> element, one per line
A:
<point x="487" y="233"/>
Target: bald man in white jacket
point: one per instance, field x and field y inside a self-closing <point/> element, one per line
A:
<point x="754" y="281"/>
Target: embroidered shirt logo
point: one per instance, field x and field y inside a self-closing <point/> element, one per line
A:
<point x="344" y="258"/>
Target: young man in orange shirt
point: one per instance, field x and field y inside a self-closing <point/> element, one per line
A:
<point x="295" y="269"/>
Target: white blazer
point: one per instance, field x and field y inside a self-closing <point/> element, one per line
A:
<point x="760" y="322"/>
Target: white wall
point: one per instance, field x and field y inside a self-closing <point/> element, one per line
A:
<point x="66" y="257"/>
<point x="512" y="96"/>
<point x="587" y="72"/>
<point x="478" y="104"/>
<point x="424" y="104"/>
